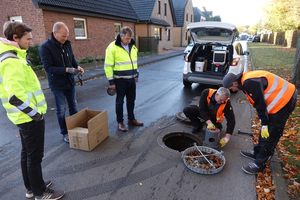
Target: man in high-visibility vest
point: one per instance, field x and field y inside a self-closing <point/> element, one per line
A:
<point x="122" y="73"/>
<point x="25" y="104"/>
<point x="274" y="100"/>
<point x="213" y="106"/>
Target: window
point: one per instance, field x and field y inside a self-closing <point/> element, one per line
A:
<point x="185" y="35"/>
<point x="157" y="33"/>
<point x="191" y="18"/>
<point x="80" y="28"/>
<point x="165" y="9"/>
<point x="117" y="29"/>
<point x="158" y="7"/>
<point x="16" y="18"/>
<point x="187" y="17"/>
<point x="168" y="34"/>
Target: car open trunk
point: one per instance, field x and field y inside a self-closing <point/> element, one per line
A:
<point x="210" y="59"/>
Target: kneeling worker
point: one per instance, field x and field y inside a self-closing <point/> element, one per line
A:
<point x="213" y="106"/>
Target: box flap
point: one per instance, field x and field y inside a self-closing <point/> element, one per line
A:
<point x="94" y="122"/>
<point x="78" y="119"/>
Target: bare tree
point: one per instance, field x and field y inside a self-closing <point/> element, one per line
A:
<point x="296" y="71"/>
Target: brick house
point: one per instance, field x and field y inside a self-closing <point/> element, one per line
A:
<point x="155" y="20"/>
<point x="93" y="24"/>
<point x="184" y="15"/>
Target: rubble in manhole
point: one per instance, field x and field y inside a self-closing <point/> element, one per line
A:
<point x="198" y="161"/>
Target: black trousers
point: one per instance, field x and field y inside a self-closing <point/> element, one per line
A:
<point x="32" y="137"/>
<point x="265" y="148"/>
<point x="193" y="113"/>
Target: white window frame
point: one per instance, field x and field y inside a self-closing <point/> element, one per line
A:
<point x="85" y="32"/>
<point x="117" y="24"/>
<point x="16" y="18"/>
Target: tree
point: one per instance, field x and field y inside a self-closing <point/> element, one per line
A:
<point x="296" y="71"/>
<point x="215" y="18"/>
<point x="282" y="15"/>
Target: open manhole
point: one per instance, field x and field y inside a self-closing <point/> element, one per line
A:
<point x="178" y="141"/>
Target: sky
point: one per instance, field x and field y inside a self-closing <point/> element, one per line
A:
<point x="237" y="12"/>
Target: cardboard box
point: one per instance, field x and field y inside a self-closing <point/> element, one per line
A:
<point x="87" y="129"/>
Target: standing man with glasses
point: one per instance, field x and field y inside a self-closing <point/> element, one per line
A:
<point x="25" y="104"/>
<point x="60" y="64"/>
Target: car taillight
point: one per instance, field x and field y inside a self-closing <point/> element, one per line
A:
<point x="235" y="62"/>
<point x="186" y="58"/>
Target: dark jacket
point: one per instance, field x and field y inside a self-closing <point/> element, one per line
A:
<point x="208" y="111"/>
<point x="56" y="59"/>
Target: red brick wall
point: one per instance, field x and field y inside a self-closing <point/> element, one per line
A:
<point x="100" y="33"/>
<point x="30" y="15"/>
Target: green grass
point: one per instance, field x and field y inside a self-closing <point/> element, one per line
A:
<point x="291" y="161"/>
<point x="276" y="59"/>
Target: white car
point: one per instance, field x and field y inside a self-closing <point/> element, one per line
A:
<point x="214" y="54"/>
<point x="188" y="49"/>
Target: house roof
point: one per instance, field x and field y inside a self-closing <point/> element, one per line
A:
<point x="197" y="14"/>
<point x="102" y="8"/>
<point x="144" y="10"/>
<point x="207" y="14"/>
<point x="179" y="9"/>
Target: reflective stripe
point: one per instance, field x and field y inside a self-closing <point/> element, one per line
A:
<point x="219" y="118"/>
<point x="105" y="65"/>
<point x="126" y="77"/>
<point x="110" y="78"/>
<point x="126" y="63"/>
<point x="37" y="93"/>
<point x="24" y="105"/>
<point x="278" y="97"/>
<point x="4" y="100"/>
<point x="32" y="113"/>
<point x="1" y="79"/>
<point x="13" y="110"/>
<point x="41" y="103"/>
<point x="273" y="87"/>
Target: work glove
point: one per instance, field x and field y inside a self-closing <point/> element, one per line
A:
<point x="224" y="141"/>
<point x="264" y="131"/>
<point x="73" y="71"/>
<point x="211" y="126"/>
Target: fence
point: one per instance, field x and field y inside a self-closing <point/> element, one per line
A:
<point x="288" y="39"/>
<point x="147" y="44"/>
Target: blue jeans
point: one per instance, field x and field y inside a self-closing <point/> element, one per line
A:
<point x="32" y="137"/>
<point x="125" y="87"/>
<point x="60" y="96"/>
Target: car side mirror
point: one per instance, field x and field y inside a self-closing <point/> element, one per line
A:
<point x="246" y="53"/>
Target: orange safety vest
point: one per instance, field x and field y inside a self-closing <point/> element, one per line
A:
<point x="277" y="94"/>
<point x="220" y="111"/>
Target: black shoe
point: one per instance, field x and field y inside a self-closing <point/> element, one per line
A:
<point x="252" y="168"/>
<point x="29" y="193"/>
<point x="66" y="138"/>
<point x="197" y="128"/>
<point x="51" y="194"/>
<point x="248" y="154"/>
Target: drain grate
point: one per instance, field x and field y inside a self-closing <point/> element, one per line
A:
<point x="177" y="142"/>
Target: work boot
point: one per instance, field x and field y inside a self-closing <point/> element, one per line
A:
<point x="252" y="168"/>
<point x="29" y="193"/>
<point x="248" y="154"/>
<point x="197" y="128"/>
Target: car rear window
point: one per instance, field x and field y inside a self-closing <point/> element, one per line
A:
<point x="212" y="32"/>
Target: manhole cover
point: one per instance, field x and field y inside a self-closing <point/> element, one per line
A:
<point x="178" y="141"/>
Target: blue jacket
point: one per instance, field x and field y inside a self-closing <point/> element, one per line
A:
<point x="56" y="59"/>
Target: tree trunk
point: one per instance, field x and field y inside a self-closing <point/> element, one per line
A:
<point x="296" y="71"/>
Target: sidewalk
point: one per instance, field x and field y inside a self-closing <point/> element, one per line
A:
<point x="95" y="72"/>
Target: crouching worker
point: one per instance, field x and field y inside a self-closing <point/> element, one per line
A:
<point x="213" y="106"/>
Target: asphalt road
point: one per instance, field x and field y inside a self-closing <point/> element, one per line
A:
<point x="133" y="165"/>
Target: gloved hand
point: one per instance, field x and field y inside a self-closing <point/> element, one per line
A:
<point x="73" y="71"/>
<point x="211" y="126"/>
<point x="224" y="141"/>
<point x="264" y="131"/>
